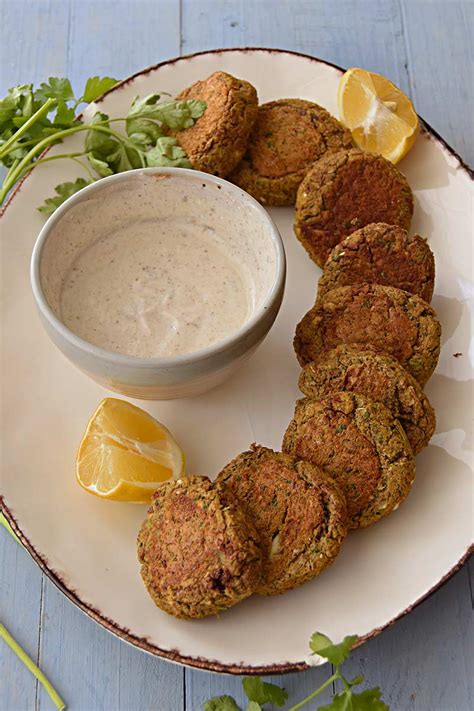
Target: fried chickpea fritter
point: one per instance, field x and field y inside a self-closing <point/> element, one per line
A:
<point x="378" y="376"/>
<point x="298" y="512"/>
<point x="218" y="139"/>
<point x="289" y="135"/>
<point x="392" y="321"/>
<point x="345" y="191"/>
<point x="381" y="254"/>
<point x="199" y="553"/>
<point x="357" y="442"/>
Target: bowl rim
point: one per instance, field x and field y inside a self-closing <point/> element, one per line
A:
<point x="182" y="359"/>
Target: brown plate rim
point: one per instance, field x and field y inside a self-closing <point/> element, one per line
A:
<point x="97" y="615"/>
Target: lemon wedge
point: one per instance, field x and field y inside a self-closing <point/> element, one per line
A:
<point x="126" y="454"/>
<point x="379" y="115"/>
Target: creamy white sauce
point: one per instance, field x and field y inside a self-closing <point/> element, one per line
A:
<point x="154" y="288"/>
<point x="155" y="270"/>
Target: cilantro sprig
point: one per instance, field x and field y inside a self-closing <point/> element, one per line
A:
<point x="260" y="692"/>
<point x="32" y="120"/>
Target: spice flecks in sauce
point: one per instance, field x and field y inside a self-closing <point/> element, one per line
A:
<point x="161" y="267"/>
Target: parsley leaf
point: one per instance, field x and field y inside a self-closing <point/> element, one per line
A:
<point x="253" y="706"/>
<point x="64" y="191"/>
<point x="334" y="653"/>
<point x="101" y="167"/>
<point x="64" y="115"/>
<point x="179" y="115"/>
<point x="221" y="703"/>
<point x="262" y="692"/>
<point x="141" y="106"/>
<point x="99" y="143"/>
<point x="167" y="152"/>
<point x="96" y="86"/>
<point x="144" y="132"/>
<point x="368" y="700"/>
<point x="55" y="88"/>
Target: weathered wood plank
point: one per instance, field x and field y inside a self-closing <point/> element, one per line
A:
<point x="95" y="670"/>
<point x="347" y="32"/>
<point x="423" y="661"/>
<point x="438" y="37"/>
<point x="118" y="38"/>
<point x="20" y="603"/>
<point x="33" y="41"/>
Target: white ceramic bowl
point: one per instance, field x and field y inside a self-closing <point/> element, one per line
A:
<point x="186" y="375"/>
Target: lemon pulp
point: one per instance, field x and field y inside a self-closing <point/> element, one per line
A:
<point x="126" y="454"/>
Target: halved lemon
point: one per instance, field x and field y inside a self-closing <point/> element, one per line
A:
<point x="379" y="115"/>
<point x="126" y="454"/>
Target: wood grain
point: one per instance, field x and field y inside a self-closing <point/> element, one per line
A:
<point x="423" y="663"/>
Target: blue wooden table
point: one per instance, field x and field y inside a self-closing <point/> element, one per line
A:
<point x="422" y="663"/>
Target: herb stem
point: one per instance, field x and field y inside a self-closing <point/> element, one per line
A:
<point x="26" y="126"/>
<point x="312" y="696"/>
<point x="40" y="161"/>
<point x="24" y="165"/>
<point x="31" y="666"/>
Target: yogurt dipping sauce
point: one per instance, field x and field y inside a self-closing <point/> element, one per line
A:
<point x="150" y="270"/>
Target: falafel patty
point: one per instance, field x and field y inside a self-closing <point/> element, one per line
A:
<point x="357" y="442"/>
<point x="289" y="135"/>
<point x="218" y="139"/>
<point x="391" y="320"/>
<point x="298" y="511"/>
<point x="381" y="254"/>
<point x="378" y="376"/>
<point x="198" y="552"/>
<point x="345" y="191"/>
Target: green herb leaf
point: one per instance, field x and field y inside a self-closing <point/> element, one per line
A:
<point x="97" y="142"/>
<point x="143" y="132"/>
<point x="253" y="706"/>
<point x="55" y="88"/>
<point x="64" y="115"/>
<point x="17" y="104"/>
<point x="100" y="166"/>
<point x="96" y="86"/>
<point x="141" y="107"/>
<point x="8" y="108"/>
<point x="334" y="653"/>
<point x="167" y="152"/>
<point x="221" y="703"/>
<point x="262" y="692"/>
<point x="64" y="191"/>
<point x="179" y="115"/>
<point x="368" y="700"/>
<point x="123" y="158"/>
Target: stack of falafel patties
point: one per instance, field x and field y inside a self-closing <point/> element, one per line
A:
<point x="274" y="520"/>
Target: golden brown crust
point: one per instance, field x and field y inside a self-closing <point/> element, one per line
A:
<point x="391" y="320"/>
<point x="198" y="552"/>
<point x="298" y="512"/>
<point x="345" y="191"/>
<point x="379" y="377"/>
<point x="381" y="254"/>
<point x="359" y="444"/>
<point x="288" y="137"/>
<point x="218" y="139"/>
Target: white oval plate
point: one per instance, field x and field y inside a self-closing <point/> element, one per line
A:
<point x="87" y="546"/>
